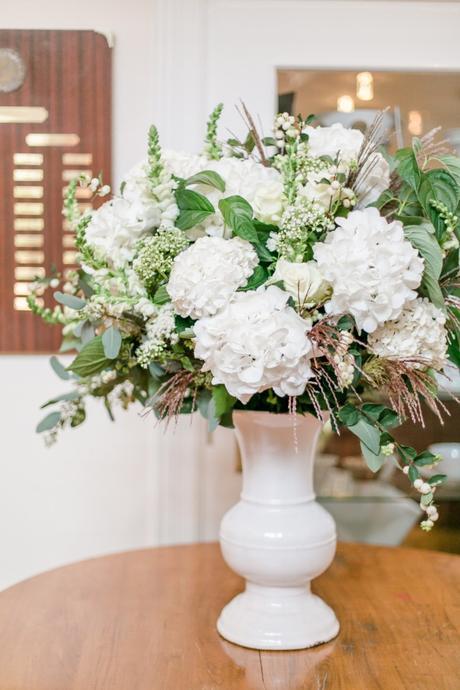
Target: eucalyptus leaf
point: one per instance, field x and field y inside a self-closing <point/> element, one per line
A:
<point x="49" y="422"/>
<point x="71" y="395"/>
<point x="59" y="369"/>
<point x="111" y="341"/>
<point x="368" y="434"/>
<point x="69" y="300"/>
<point x="373" y="461"/>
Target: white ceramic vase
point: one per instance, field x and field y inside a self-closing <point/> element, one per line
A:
<point x="277" y="537"/>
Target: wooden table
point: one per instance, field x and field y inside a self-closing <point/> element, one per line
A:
<point x="145" y="620"/>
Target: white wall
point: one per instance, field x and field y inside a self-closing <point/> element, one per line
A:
<point x="104" y="486"/>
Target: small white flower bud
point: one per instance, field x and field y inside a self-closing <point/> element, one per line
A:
<point x="425" y="488"/>
<point x="346" y="203"/>
<point x="418" y="483"/>
<point x="335" y="184"/>
<point x="406" y="469"/>
<point x="54" y="283"/>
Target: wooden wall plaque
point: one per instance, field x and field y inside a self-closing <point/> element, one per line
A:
<point x="55" y="122"/>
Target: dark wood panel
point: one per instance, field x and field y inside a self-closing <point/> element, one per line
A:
<point x="69" y="74"/>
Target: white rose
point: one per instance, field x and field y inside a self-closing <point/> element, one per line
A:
<point x="268" y="202"/>
<point x="337" y="139"/>
<point x="303" y="281"/>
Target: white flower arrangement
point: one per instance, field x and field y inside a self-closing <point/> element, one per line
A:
<point x="256" y="273"/>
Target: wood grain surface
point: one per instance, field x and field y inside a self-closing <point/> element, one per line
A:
<point x="145" y="620"/>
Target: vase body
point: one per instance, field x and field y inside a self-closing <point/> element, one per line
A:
<point x="277" y="537"/>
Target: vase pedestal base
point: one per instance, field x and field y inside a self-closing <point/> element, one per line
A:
<point x="269" y="618"/>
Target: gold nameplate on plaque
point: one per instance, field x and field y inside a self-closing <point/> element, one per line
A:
<point x="28" y="158"/>
<point x="18" y="114"/>
<point x="28" y="209"/>
<point x="27" y="192"/>
<point x="21" y="241"/>
<point x="26" y="175"/>
<point x="52" y="139"/>
<point x="29" y="272"/>
<point x="29" y="224"/>
<point x="77" y="158"/>
<point x="27" y="256"/>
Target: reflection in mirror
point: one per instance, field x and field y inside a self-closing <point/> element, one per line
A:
<point x="416" y="101"/>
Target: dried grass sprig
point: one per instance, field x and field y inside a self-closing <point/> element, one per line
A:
<point x="406" y="383"/>
<point x="373" y="140"/>
<point x="249" y="122"/>
<point x="169" y="398"/>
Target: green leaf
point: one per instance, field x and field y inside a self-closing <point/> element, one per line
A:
<point x="188" y="200"/>
<point x="426" y="499"/>
<point x="59" y="369"/>
<point x="223" y="401"/>
<point x="49" y="422"/>
<point x="111" y="341"/>
<point x="422" y="238"/>
<point x="373" y="410"/>
<point x="407" y="453"/>
<point x="72" y="395"/>
<point x="452" y="164"/>
<point x="213" y="419"/>
<point x="373" y="460"/>
<point x="155" y="370"/>
<point x="69" y="300"/>
<point x="438" y="185"/>
<point x="407" y="167"/>
<point x="437" y="479"/>
<point x="202" y="402"/>
<point x="425" y="458"/>
<point x="161" y="296"/>
<point x="188" y="219"/>
<point x="91" y="359"/>
<point x="389" y="419"/>
<point x="349" y="415"/>
<point x="413" y="473"/>
<point x="368" y="434"/>
<point x="208" y="177"/>
<point x="259" y="277"/>
<point x="237" y="215"/>
<point x="345" y="323"/>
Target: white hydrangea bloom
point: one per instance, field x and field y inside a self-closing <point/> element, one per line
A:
<point x="183" y="164"/>
<point x="374" y="271"/>
<point x="419" y="332"/>
<point x="115" y="229"/>
<point x="205" y="275"/>
<point x="333" y="141"/>
<point x="255" y="343"/>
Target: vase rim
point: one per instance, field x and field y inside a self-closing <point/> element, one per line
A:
<point x="282" y="419"/>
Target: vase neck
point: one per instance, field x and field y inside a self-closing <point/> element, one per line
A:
<point x="277" y="452"/>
